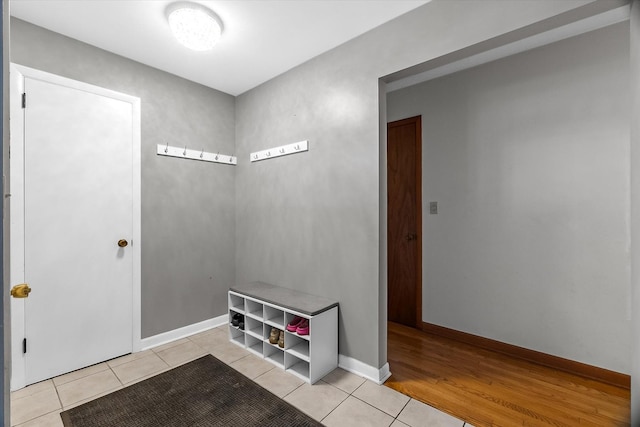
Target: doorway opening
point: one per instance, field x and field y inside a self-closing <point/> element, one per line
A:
<point x="508" y="162"/>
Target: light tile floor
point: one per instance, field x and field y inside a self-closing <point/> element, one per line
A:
<point x="339" y="399"/>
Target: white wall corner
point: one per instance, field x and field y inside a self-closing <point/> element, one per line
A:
<point x="185" y="331"/>
<point x="377" y="375"/>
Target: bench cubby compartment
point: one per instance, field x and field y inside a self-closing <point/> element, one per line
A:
<point x="236" y="303"/>
<point x="254" y="328"/>
<point x="297" y="366"/>
<point x="254" y="309"/>
<point x="274" y="354"/>
<point x="236" y="335"/>
<point x="274" y="317"/>
<point x="297" y="346"/>
<point x="254" y="345"/>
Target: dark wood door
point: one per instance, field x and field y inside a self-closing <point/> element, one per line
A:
<point x="404" y="221"/>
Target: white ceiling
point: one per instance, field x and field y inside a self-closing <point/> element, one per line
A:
<point x="261" y="38"/>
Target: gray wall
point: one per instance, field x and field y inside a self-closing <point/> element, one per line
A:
<point x="312" y="221"/>
<point x="528" y="158"/>
<point x="188" y="224"/>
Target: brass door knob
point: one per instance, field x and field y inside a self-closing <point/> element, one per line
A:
<point x="122" y="243"/>
<point x="20" y="291"/>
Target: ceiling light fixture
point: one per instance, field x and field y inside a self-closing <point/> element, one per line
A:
<point x="194" y="25"/>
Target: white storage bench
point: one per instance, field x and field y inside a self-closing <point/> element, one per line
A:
<point x="266" y="306"/>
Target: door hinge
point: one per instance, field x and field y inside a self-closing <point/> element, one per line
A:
<point x="24" y="100"/>
<point x="24" y="346"/>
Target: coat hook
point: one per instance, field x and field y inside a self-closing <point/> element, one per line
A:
<point x="297" y="147"/>
<point x="202" y="153"/>
<point x="268" y="153"/>
<point x="255" y="156"/>
<point x="282" y="150"/>
<point x="184" y="153"/>
<point x="166" y="149"/>
<point x="217" y="154"/>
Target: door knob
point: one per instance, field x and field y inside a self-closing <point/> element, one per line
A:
<point x="122" y="243"/>
<point x="411" y="236"/>
<point x="20" y="291"/>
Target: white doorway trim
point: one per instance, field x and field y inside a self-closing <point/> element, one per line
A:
<point x="16" y="204"/>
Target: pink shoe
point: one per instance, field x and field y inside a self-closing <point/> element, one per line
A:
<point x="293" y="325"/>
<point x="303" y="328"/>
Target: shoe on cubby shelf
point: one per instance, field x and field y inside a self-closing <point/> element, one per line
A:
<point x="235" y="319"/>
<point x="303" y="328"/>
<point x="274" y="335"/>
<point x="293" y="325"/>
<point x="281" y="340"/>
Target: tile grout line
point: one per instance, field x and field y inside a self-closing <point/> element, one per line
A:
<point x="32" y="419"/>
<point x="300" y="385"/>
<point x="337" y="406"/>
<point x="351" y="394"/>
<point x="115" y="375"/>
<point x="403" y="408"/>
<point x="384" y="412"/>
<point x="55" y="387"/>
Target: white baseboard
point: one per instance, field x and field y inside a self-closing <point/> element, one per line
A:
<point x="183" y="332"/>
<point x="369" y="372"/>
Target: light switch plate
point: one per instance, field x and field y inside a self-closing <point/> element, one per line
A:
<point x="433" y="208"/>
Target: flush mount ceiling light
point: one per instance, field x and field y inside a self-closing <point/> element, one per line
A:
<point x="194" y="25"/>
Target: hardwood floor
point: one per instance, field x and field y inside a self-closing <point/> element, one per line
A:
<point x="485" y="388"/>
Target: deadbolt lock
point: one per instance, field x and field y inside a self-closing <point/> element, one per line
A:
<point x="122" y="243"/>
<point x="20" y="291"/>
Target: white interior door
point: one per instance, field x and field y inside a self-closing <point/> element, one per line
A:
<point x="78" y="189"/>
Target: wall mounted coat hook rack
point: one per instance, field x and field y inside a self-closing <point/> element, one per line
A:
<point x="272" y="153"/>
<point x="201" y="155"/>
